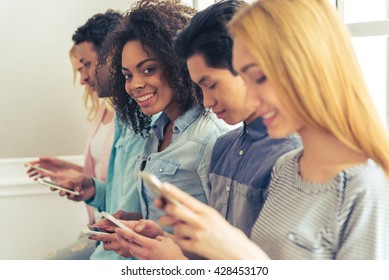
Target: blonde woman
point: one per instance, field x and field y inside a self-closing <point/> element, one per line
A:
<point x="330" y="199"/>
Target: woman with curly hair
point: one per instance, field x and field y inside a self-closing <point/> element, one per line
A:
<point x="148" y="79"/>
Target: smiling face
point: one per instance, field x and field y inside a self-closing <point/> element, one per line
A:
<point x="223" y="92"/>
<point x="278" y="119"/>
<point x="144" y="81"/>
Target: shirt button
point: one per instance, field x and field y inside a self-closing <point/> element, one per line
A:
<point x="241" y="152"/>
<point x="291" y="236"/>
<point x="228" y="188"/>
<point x="160" y="170"/>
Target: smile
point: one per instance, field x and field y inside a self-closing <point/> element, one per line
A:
<point x="145" y="97"/>
<point x="269" y="115"/>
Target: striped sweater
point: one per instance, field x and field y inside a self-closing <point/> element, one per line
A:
<point x="346" y="218"/>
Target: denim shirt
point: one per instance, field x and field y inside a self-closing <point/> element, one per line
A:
<point x="240" y="171"/>
<point x="119" y="191"/>
<point x="185" y="162"/>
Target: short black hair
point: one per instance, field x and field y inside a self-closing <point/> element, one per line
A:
<point x="96" y="29"/>
<point x="207" y="35"/>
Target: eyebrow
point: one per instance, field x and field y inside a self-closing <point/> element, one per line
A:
<point x="247" y="67"/>
<point x="140" y="64"/>
<point x="202" y="80"/>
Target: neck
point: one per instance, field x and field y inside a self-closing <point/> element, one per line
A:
<point x="324" y="155"/>
<point x="172" y="112"/>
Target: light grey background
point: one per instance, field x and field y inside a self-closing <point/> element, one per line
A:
<point x="41" y="112"/>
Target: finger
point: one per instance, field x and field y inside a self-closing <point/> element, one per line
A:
<point x="184" y="198"/>
<point x="184" y="231"/>
<point x="140" y="225"/>
<point x="135" y="250"/>
<point x="132" y="236"/>
<point x="105" y="237"/>
<point x="162" y="238"/>
<point x="111" y="245"/>
<point x="168" y="221"/>
<point x="188" y="245"/>
<point x="30" y="163"/>
<point x="131" y="224"/>
<point x="124" y="243"/>
<point x="106" y="224"/>
<point x="183" y="214"/>
<point x="159" y="203"/>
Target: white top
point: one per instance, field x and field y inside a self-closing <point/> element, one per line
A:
<point x="97" y="147"/>
<point x="346" y="218"/>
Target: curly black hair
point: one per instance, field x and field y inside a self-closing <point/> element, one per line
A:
<point x="96" y="29"/>
<point x="207" y="35"/>
<point x="155" y="24"/>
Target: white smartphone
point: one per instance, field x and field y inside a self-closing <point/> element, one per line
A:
<point x="93" y="231"/>
<point x="115" y="221"/>
<point x="55" y="186"/>
<point x="156" y="185"/>
<point x="37" y="167"/>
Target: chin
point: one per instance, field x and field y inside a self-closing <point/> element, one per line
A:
<point x="149" y="112"/>
<point x="277" y="134"/>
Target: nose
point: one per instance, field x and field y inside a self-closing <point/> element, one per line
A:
<point x="208" y="99"/>
<point x="84" y="76"/>
<point x="137" y="83"/>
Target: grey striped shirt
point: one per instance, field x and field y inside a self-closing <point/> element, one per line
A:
<point x="346" y="218"/>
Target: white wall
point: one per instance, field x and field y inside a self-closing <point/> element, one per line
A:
<point x="41" y="112"/>
<point x="34" y="220"/>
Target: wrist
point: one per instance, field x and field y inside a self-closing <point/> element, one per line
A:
<point x="88" y="182"/>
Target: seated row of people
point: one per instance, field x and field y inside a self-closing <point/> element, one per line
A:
<point x="283" y="68"/>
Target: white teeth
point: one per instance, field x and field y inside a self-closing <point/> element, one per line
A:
<point x="146" y="97"/>
<point x="269" y="115"/>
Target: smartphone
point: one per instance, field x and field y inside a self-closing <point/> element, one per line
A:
<point x="55" y="186"/>
<point x="156" y="185"/>
<point x="115" y="221"/>
<point x="88" y="230"/>
<point x="37" y="167"/>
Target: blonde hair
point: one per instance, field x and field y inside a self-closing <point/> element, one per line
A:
<point x="305" y="50"/>
<point x="90" y="99"/>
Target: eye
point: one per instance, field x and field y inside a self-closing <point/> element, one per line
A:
<point x="149" y="70"/>
<point x="87" y="64"/>
<point x="127" y="76"/>
<point x="261" y="80"/>
<point x="212" y="86"/>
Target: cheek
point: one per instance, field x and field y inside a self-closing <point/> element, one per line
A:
<point x="128" y="88"/>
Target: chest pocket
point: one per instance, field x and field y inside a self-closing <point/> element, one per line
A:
<point x="165" y="168"/>
<point x="250" y="193"/>
<point x="319" y="243"/>
<point x="179" y="175"/>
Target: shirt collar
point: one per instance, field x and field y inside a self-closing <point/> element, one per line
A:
<point x="256" y="129"/>
<point x="180" y="124"/>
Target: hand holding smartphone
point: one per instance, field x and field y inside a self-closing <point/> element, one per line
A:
<point x="156" y="185"/>
<point x="88" y="230"/>
<point x="55" y="186"/>
<point x="115" y="221"/>
<point x="37" y="167"/>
